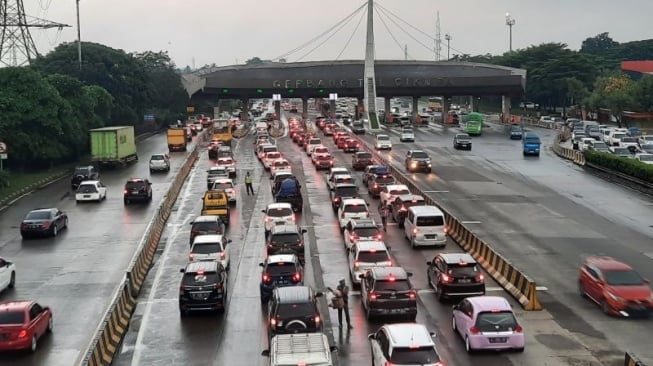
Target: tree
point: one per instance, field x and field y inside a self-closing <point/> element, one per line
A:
<point x="599" y="44"/>
<point x="643" y="94"/>
<point x="615" y="93"/>
<point x="254" y="61"/>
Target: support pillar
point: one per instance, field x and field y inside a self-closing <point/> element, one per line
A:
<point x="244" y="114"/>
<point x="415" y="113"/>
<point x="505" y="108"/>
<point x="277" y="109"/>
<point x="360" y="108"/>
<point x="446" y="104"/>
<point x="388" y="110"/>
<point x="304" y="108"/>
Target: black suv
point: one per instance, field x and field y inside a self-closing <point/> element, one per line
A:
<point x="341" y="191"/>
<point x="386" y="291"/>
<point x="293" y="310"/>
<point x="455" y="274"/>
<point x="203" y="287"/>
<point x="280" y="271"/>
<point x="399" y="207"/>
<point x="82" y="173"/>
<point x="418" y="160"/>
<point x="206" y="225"/>
<point x="137" y="189"/>
<point x="361" y="159"/>
<point x="286" y="239"/>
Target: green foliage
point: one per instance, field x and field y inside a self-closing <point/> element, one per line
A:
<point x="254" y="61"/>
<point x="627" y="166"/>
<point x="643" y="94"/>
<point x="614" y="92"/>
<point x="4" y="179"/>
<point x="599" y="44"/>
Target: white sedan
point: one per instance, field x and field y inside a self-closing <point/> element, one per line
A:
<point x="91" y="190"/>
<point x="7" y="274"/>
<point x="393" y="191"/>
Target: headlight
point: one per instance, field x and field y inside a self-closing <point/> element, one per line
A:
<point x="615" y="297"/>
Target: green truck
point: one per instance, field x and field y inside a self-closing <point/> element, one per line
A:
<point x="113" y="145"/>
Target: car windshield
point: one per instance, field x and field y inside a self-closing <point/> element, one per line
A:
<point x="460" y="270"/>
<point x="270" y="149"/>
<point x="619" y="135"/>
<point x="157" y="157"/>
<point x="280" y="212"/>
<point x="12" y="317"/>
<point x="463" y="137"/>
<point x="397" y="192"/>
<point x="346" y="192"/>
<point x="206" y="248"/>
<point x="623" y="278"/>
<point x="286" y="238"/>
<point x="430" y="220"/>
<point x="532" y="140"/>
<point x="87" y="188"/>
<point x="295" y="310"/>
<point x="501" y="321"/>
<point x="414" y="356"/>
<point x="396" y="285"/>
<point x="135" y="185"/>
<point x="355" y="208"/>
<point x="366" y="232"/>
<point x="81" y="171"/>
<point x="383" y="138"/>
<point x="420" y="155"/>
<point x="628" y="139"/>
<point x="373" y="257"/>
<point x="38" y="215"/>
<point x="621" y="151"/>
<point x="598" y="145"/>
<point x="214" y="172"/>
<point x="407" y="130"/>
<point x="280" y="268"/>
<point x="205" y="278"/>
<point x="364" y="156"/>
<point x="206" y="226"/>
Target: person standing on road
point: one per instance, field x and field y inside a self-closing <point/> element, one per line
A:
<point x="385" y="212"/>
<point x="341" y="302"/>
<point x="248" y="183"/>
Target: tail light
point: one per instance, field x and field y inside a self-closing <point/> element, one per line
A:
<point x="446" y="278"/>
<point x="342" y="216"/>
<point x="480" y="278"/>
<point x="297" y="277"/>
<point x="376" y="186"/>
<point x="317" y="319"/>
<point x="403" y="208"/>
<point x="191" y="256"/>
<point x="439" y="363"/>
<point x="519" y="329"/>
<point x="414" y="231"/>
<point x="125" y="191"/>
<point x="336" y="199"/>
<point x="273" y="323"/>
<point x="22" y="333"/>
<point x="357" y="264"/>
<point x="182" y="289"/>
<point x="267" y="278"/>
<point x="353" y="237"/>
<point x="446" y="229"/>
<point x="46" y="224"/>
<point x="474" y="330"/>
<point x="373" y="296"/>
<point x="367" y="214"/>
<point x="412" y="295"/>
<point x="223" y="255"/>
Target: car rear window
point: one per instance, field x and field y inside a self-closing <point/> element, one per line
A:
<point x="12" y="317"/>
<point x="397" y="192"/>
<point x="196" y="279"/>
<point x="280" y="268"/>
<point x="501" y="321"/>
<point x="414" y="356"/>
<point x="397" y="285"/>
<point x="206" y="226"/>
<point x="87" y="188"/>
<point x="382" y="138"/>
<point x="286" y="238"/>
<point x="355" y="208"/>
<point x="207" y="248"/>
<point x="157" y="157"/>
<point x="295" y="310"/>
<point x="218" y="186"/>
<point x="269" y="149"/>
<point x="314" y="141"/>
<point x="281" y="163"/>
<point x="364" y="156"/>
<point x="346" y="192"/>
<point x="38" y="215"/>
<point x="341" y="179"/>
<point x="430" y="220"/>
<point x="412" y="203"/>
<point x="373" y="257"/>
<point x="366" y="232"/>
<point x="81" y="171"/>
<point x="280" y="212"/>
<point x="324" y="157"/>
<point x="225" y="161"/>
<point x="384" y="179"/>
<point x="458" y="270"/>
<point x="273" y="155"/>
<point x="135" y="185"/>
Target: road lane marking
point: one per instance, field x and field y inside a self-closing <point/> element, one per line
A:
<point x="435" y="191"/>
<point x="470" y="222"/>
<point x="432" y="291"/>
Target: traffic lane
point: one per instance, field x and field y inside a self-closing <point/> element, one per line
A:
<point x="521" y="229"/>
<point x="76" y="272"/>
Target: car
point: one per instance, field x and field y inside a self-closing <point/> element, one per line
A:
<point x="389" y="192"/>
<point x="227" y="185"/>
<point x="335" y="171"/>
<point x="7" y="274"/>
<point x="203" y="287"/>
<point x="352" y="208"/>
<point x="615" y="286"/>
<point x="645" y="158"/>
<point x="229" y="163"/>
<point x="278" y="214"/>
<point x="400" y="205"/>
<point x="82" y="173"/>
<point x="279" y="270"/>
<point x="516" y="132"/>
<point x="215" y="173"/>
<point x="286" y="239"/>
<point x="43" y="222"/>
<point x="269" y="157"/>
<point x="210" y="248"/>
<point x="91" y="190"/>
<point x="407" y="134"/>
<point x="277" y="178"/>
<point x="404" y="344"/>
<point x="361" y="230"/>
<point x="487" y="323"/>
<point x="376" y="183"/>
<point x="622" y="152"/>
<point x="22" y="324"/>
<point x="599" y="146"/>
<point x="455" y="275"/>
<point x="137" y="189"/>
<point x="318" y="150"/>
<point x="351" y="145"/>
<point x="358" y="128"/>
<point x="343" y="178"/>
<point x="342" y="191"/>
<point x="263" y="149"/>
<point x="629" y="142"/>
<point x="585" y="143"/>
<point x="310" y="143"/>
<point x="294" y="309"/>
<point x="341" y="141"/>
<point x="645" y="140"/>
<point x="366" y="254"/>
<point x="206" y="225"/>
<point x="371" y="170"/>
<point x="323" y="161"/>
<point x="531" y="144"/>
<point x="417" y="160"/>
<point x="646" y="148"/>
<point x="462" y="141"/>
<point x="383" y="142"/>
<point x="361" y="159"/>
<point x="280" y="165"/>
<point x="387" y="291"/>
<point x="159" y="163"/>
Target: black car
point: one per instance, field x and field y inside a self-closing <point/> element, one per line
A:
<point x="43" y="222"/>
<point x="293" y="309"/>
<point x="280" y="271"/>
<point x="386" y="291"/>
<point x="341" y="191"/>
<point x="371" y="170"/>
<point x="516" y="132"/>
<point x="418" y="160"/>
<point x="82" y="173"/>
<point x="462" y="141"/>
<point x="206" y="225"/>
<point x="286" y="239"/>
<point x="137" y="189"/>
<point x="399" y="207"/>
<point x="361" y="160"/>
<point x="358" y="128"/>
<point x="455" y="275"/>
<point x="203" y="287"/>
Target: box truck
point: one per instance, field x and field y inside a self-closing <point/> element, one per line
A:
<point x="177" y="139"/>
<point x="113" y="145"/>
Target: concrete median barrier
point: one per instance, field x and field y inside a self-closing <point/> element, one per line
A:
<point x="631" y="360"/>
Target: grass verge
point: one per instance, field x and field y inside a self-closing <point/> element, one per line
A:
<point x="18" y="181"/>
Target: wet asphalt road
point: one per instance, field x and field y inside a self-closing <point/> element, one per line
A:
<point x="159" y="336"/>
<point x="76" y="273"/>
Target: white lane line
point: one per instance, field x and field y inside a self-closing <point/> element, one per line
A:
<point x="470" y="222"/>
<point x="435" y="191"/>
<point x="432" y="291"/>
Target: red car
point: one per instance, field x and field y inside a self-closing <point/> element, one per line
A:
<point x="341" y="140"/>
<point x="351" y="145"/>
<point x="615" y="286"/>
<point x="22" y="323"/>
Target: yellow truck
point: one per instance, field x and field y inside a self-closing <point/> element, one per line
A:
<point x="216" y="203"/>
<point x="222" y="130"/>
<point x="177" y="139"/>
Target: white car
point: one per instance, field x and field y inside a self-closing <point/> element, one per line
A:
<point x="366" y="254"/>
<point x="383" y="142"/>
<point x="268" y="158"/>
<point x="333" y="172"/>
<point x="393" y="343"/>
<point x="320" y="149"/>
<point x="91" y="190"/>
<point x="278" y="214"/>
<point x="407" y="134"/>
<point x="310" y="143"/>
<point x="215" y="173"/>
<point x="645" y="158"/>
<point x="628" y="141"/>
<point x="210" y="248"/>
<point x="226" y="185"/>
<point x="7" y="274"/>
<point x="352" y="208"/>
<point x="159" y="162"/>
<point x="280" y="165"/>
<point x="229" y="164"/>
<point x="392" y="191"/>
<point x="645" y="140"/>
<point x="585" y="143"/>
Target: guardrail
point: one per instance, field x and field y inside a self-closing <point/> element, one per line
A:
<point x="631" y="360"/>
<point x="518" y="284"/>
<point x="109" y="334"/>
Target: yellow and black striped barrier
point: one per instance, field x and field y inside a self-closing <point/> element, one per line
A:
<point x="631" y="360"/>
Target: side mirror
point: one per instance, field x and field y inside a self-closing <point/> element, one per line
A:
<point x="229" y="241"/>
<point x="432" y="334"/>
<point x="261" y="264"/>
<point x="265" y="353"/>
<point x="388" y="247"/>
<point x="361" y="276"/>
<point x="304" y="231"/>
<point x="182" y="270"/>
<point x="263" y="211"/>
<point x="370" y="336"/>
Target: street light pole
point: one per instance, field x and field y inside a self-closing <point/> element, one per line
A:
<point x="448" y="38"/>
<point x="79" y="40"/>
<point x="510" y="22"/>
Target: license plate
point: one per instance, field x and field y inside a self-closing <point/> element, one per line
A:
<point x="430" y="236"/>
<point x="394" y="311"/>
<point x="498" y="340"/>
<point x="199" y="295"/>
<point x="134" y="192"/>
<point x="465" y="280"/>
<point x="87" y="196"/>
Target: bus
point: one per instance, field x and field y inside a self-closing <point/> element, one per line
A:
<point x="474" y="123"/>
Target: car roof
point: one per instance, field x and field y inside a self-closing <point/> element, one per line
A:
<point x="608" y="263"/>
<point x="363" y="222"/>
<point x="409" y="334"/>
<point x="354" y="201"/>
<point x="412" y="151"/>
<point x="281" y="258"/>
<point x="209" y="266"/>
<point x="285" y="229"/>
<point x="293" y="293"/>
<point x="367" y="245"/>
<point x="15" y="305"/>
<point x="89" y="182"/>
<point x="207" y="218"/>
<point x="43" y="210"/>
<point x="426" y="210"/>
<point x="137" y="180"/>
<point x="451" y="258"/>
<point x="396" y="186"/>
<point x="223" y="180"/>
<point x="279" y="205"/>
<point x="489" y="303"/>
<point x="411" y="197"/>
<point x="212" y="238"/>
<point x="388" y="272"/>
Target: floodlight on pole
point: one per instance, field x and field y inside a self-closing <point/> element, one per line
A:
<point x="447" y="36"/>
<point x="510" y="22"/>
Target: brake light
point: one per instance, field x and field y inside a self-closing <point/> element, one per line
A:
<point x="376" y="186"/>
<point x="474" y="330"/>
<point x="273" y="323"/>
<point x="480" y="278"/>
<point x="439" y="363"/>
<point x="519" y="329"/>
<point x="266" y="278"/>
<point x="403" y="208"/>
<point x="47" y="224"/>
<point x="223" y="255"/>
<point x="414" y="231"/>
<point x="191" y="256"/>
<point x="446" y="278"/>
<point x="357" y="264"/>
<point x="125" y="191"/>
<point x="22" y="333"/>
<point x="373" y="296"/>
<point x="412" y="295"/>
<point x="342" y="215"/>
<point x="446" y="229"/>
<point x="317" y="319"/>
<point x="367" y="214"/>
<point x="297" y="277"/>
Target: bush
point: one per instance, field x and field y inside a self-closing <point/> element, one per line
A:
<point x="627" y="166"/>
<point x="4" y="178"/>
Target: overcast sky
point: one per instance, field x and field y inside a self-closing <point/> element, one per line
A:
<point x="225" y="32"/>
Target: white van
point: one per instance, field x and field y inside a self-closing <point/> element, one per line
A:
<point x="425" y="225"/>
<point x="300" y="349"/>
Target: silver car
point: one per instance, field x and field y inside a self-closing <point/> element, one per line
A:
<point x="159" y="162"/>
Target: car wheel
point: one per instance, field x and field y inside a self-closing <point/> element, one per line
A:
<point x="54" y="230"/>
<point x="468" y="347"/>
<point x="50" y="325"/>
<point x="151" y="171"/>
<point x="183" y="312"/>
<point x="12" y="280"/>
<point x="32" y="346"/>
<point x="438" y="293"/>
<point x="581" y="290"/>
